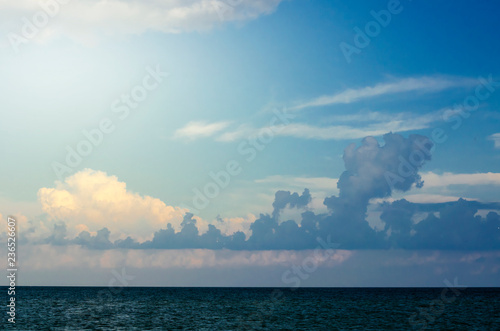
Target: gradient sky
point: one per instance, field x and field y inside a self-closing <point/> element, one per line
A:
<point x="171" y="93"/>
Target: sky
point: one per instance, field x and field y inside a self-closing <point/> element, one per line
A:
<point x="251" y="142"/>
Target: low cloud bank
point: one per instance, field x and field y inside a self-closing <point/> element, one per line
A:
<point x="373" y="171"/>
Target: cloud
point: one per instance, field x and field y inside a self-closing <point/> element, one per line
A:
<point x="351" y="126"/>
<point x="194" y="130"/>
<point x="496" y="139"/>
<point x="231" y="225"/>
<point x="421" y="84"/>
<point x="46" y="257"/>
<point x="33" y="228"/>
<point x="453" y="225"/>
<point x="46" y="265"/>
<point x="313" y="183"/>
<point x="339" y="132"/>
<point x="365" y="179"/>
<point x="94" y="210"/>
<point x="99" y="241"/>
<point x="189" y="237"/>
<point x="242" y="132"/>
<point x="332" y="132"/>
<point x="92" y="199"/>
<point x="283" y="199"/>
<point x="457" y="227"/>
<point x="377" y="117"/>
<point x="447" y="186"/>
<point x="367" y="167"/>
<point x="431" y="198"/>
<point x="446" y="179"/>
<point x="90" y="20"/>
<point x="382" y="123"/>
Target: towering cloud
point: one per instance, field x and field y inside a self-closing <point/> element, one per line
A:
<point x="373" y="171"/>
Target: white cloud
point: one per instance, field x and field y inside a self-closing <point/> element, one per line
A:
<point x="230" y="225"/>
<point x="313" y="183"/>
<point x="92" y="200"/>
<point x="88" y="20"/>
<point x="354" y="126"/>
<point x="422" y="84"/>
<point x="441" y="188"/>
<point x="362" y="117"/>
<point x="496" y="139"/>
<point x="332" y="132"/>
<point x="484" y="212"/>
<point x="242" y="132"/>
<point x="194" y="130"/>
<point x="340" y="132"/>
<point x="31" y="228"/>
<point x="382" y="123"/>
<point x="446" y="179"/>
<point x="386" y="117"/>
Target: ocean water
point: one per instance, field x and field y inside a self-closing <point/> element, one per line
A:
<point x="96" y="308"/>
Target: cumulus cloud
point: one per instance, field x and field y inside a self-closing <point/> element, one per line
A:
<point x="373" y="171"/>
<point x="189" y="237"/>
<point x="283" y="199"/>
<point x="96" y="211"/>
<point x="93" y="200"/>
<point x="454" y="225"/>
<point x="32" y="228"/>
<point x="231" y="225"/>
<point x="89" y="20"/>
<point x="370" y="170"/>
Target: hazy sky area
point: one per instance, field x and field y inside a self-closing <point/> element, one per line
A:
<point x="251" y="142"/>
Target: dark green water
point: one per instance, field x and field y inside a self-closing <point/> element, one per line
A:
<point x="94" y="308"/>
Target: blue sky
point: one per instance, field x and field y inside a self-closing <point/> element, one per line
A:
<point x="209" y="78"/>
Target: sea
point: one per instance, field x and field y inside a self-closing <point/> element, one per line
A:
<point x="188" y="308"/>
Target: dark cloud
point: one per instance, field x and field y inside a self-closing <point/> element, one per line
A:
<point x="372" y="171"/>
<point x="282" y="199"/>
<point x="267" y="233"/>
<point x="58" y="236"/>
<point x="189" y="237"/>
<point x="451" y="225"/>
<point x="458" y="227"/>
<point x="99" y="241"/>
<point x="397" y="217"/>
